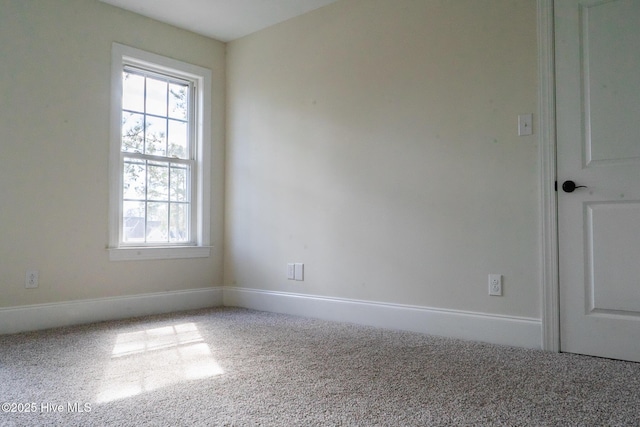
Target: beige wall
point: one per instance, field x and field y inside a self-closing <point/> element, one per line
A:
<point x="54" y="147"/>
<point x="373" y="140"/>
<point x="376" y="142"/>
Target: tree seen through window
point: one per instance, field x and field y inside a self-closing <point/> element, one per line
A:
<point x="157" y="159"/>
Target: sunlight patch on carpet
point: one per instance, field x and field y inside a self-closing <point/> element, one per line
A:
<point x="150" y="359"/>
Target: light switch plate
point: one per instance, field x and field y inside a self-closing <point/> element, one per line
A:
<point x="525" y="124"/>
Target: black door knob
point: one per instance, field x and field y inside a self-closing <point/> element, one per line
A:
<point x="569" y="186"/>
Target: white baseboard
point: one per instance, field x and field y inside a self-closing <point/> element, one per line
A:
<point x="44" y="316"/>
<point x="495" y="329"/>
<point x="507" y="330"/>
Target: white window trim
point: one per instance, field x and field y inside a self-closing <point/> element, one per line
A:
<point x="121" y="55"/>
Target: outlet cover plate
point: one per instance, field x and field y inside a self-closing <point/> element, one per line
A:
<point x="495" y="285"/>
<point x="291" y="271"/>
<point x="31" y="279"/>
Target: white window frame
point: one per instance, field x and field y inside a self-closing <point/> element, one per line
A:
<point x="122" y="56"/>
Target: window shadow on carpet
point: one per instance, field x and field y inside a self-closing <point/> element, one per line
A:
<point x="150" y="359"/>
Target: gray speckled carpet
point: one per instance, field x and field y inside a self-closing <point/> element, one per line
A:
<point x="237" y="367"/>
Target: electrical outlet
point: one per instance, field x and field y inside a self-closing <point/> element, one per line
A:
<point x="31" y="280"/>
<point x="291" y="271"/>
<point x="495" y="285"/>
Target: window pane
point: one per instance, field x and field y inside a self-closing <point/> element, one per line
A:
<point x="158" y="181"/>
<point x="156" y="136"/>
<point x="132" y="92"/>
<point x="132" y="132"/>
<point x="178" y="101"/>
<point x="178" y="139"/>
<point x="133" y="223"/>
<point x="179" y="220"/>
<point x="134" y="180"/>
<point x="157" y="222"/>
<point x="156" y="97"/>
<point x="179" y="183"/>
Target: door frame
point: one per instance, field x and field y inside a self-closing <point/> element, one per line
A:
<point x="548" y="196"/>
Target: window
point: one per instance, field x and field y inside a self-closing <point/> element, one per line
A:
<point x="159" y="157"/>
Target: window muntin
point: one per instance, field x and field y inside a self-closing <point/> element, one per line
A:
<point x="157" y="147"/>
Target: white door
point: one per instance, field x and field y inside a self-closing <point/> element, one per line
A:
<point x="598" y="134"/>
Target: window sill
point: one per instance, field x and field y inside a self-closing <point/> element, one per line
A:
<point x="174" y="252"/>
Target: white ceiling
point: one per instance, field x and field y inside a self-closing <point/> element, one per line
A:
<point x="223" y="20"/>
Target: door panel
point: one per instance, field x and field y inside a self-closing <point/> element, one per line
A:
<point x="613" y="260"/>
<point x="598" y="146"/>
<point x="611" y="60"/>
